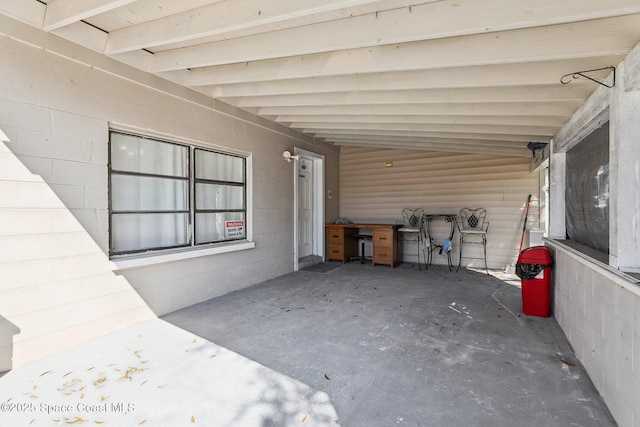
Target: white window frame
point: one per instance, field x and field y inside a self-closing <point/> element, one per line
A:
<point x="139" y="259"/>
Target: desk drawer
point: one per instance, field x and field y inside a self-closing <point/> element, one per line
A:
<point x="335" y="236"/>
<point x="384" y="247"/>
<point x="383" y="238"/>
<point x="335" y="252"/>
<point x="382" y="256"/>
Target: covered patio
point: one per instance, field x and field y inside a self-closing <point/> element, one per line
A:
<point x="167" y="171"/>
<point x="337" y="344"/>
<point x="407" y="347"/>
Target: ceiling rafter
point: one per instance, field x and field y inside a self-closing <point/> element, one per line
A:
<point x="463" y="76"/>
<point x="457" y="148"/>
<point x="60" y="13"/>
<point x="424" y="139"/>
<point x="327" y="133"/>
<point x="466" y="109"/>
<point x="537" y="131"/>
<point x="519" y="74"/>
<point x="554" y="121"/>
<point x="536" y="44"/>
<point x="422" y="22"/>
<point x="220" y="18"/>
<point x="488" y="95"/>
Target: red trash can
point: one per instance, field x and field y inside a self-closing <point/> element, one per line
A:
<point x="534" y="268"/>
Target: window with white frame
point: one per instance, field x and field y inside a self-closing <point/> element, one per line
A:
<point x="166" y="195"/>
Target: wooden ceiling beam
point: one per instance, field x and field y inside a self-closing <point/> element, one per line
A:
<point x="556" y="42"/>
<point x="332" y="133"/>
<point x="421" y="22"/>
<point x="553" y="108"/>
<point x="509" y="75"/>
<point x="454" y="148"/>
<point x="537" y="132"/>
<point x="531" y="93"/>
<point x="230" y="16"/>
<point x="60" y="13"/>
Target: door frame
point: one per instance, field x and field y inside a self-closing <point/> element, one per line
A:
<point x="318" y="204"/>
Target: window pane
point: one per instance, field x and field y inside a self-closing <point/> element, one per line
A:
<point x="214" y="196"/>
<point x="138" y="193"/>
<point x="131" y="232"/>
<point x="219" y="167"/>
<point x="587" y="195"/>
<point x="216" y="227"/>
<point x="134" y="154"/>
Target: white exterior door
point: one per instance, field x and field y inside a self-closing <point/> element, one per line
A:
<point x="305" y="207"/>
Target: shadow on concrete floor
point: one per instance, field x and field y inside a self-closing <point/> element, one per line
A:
<point x="407" y="347"/>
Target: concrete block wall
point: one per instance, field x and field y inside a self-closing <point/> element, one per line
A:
<point x="599" y="313"/>
<point x="56" y="289"/>
<point x="597" y="306"/>
<point x="57" y="284"/>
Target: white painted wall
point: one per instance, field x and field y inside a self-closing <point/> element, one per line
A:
<point x="57" y="287"/>
<point x="599" y="313"/>
<point x="598" y="305"/>
<point x="442" y="183"/>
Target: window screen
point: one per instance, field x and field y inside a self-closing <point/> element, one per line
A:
<point x="587" y="191"/>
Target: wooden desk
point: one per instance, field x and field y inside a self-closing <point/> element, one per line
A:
<point x="341" y="245"/>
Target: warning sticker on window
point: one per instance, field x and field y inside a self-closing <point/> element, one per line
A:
<point x="234" y="229"/>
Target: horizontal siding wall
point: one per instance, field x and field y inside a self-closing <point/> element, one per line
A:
<point x="441" y="183"/>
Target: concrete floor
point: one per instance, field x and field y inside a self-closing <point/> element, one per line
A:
<point x="406" y="347"/>
<point x="337" y="345"/>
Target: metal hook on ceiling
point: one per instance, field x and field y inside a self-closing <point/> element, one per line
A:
<point x="578" y="74"/>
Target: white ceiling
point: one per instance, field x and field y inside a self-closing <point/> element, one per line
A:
<point x="443" y="75"/>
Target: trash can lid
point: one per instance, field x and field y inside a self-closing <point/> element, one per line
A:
<point x="535" y="255"/>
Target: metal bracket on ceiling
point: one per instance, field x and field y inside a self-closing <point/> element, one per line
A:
<point x="578" y="74"/>
<point x="533" y="146"/>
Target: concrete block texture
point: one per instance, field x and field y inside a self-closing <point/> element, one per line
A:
<point x="57" y="281"/>
<point x="600" y="316"/>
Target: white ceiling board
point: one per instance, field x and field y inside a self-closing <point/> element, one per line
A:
<point x="519" y="74"/>
<point x="553" y="121"/>
<point x="141" y="11"/>
<point x="463" y="109"/>
<point x="65" y="12"/>
<point x="534" y="44"/>
<point x="219" y="18"/>
<point x="329" y="133"/>
<point x="415" y="96"/>
<point x="423" y="22"/>
<point x="433" y="74"/>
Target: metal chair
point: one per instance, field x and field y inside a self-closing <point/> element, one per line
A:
<point x="473" y="230"/>
<point x="413" y="226"/>
<point x="430" y="243"/>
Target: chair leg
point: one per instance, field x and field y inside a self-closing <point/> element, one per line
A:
<point x="419" y="241"/>
<point x="460" y="257"/>
<point x="484" y="252"/>
<point x="426" y="254"/>
<point x="484" y="247"/>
